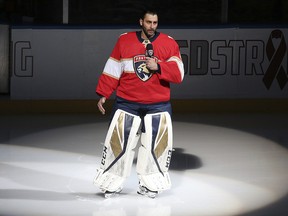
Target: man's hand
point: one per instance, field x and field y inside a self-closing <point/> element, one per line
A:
<point x="100" y="103"/>
<point x="151" y="64"/>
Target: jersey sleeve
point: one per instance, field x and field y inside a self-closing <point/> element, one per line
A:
<point x="109" y="79"/>
<point x="172" y="69"/>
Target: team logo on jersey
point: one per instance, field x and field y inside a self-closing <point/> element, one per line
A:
<point x="139" y="63"/>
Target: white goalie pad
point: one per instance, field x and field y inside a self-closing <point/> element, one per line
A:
<point x="118" y="151"/>
<point x="155" y="152"/>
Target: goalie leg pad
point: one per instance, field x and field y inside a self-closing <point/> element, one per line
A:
<point x="118" y="151"/>
<point x="155" y="153"/>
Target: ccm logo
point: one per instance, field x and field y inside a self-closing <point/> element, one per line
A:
<point x="168" y="160"/>
<point x="104" y="154"/>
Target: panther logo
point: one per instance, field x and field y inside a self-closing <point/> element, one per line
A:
<point x="140" y="68"/>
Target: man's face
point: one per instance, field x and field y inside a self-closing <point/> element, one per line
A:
<point x="149" y="24"/>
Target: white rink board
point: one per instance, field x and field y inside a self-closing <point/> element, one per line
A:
<point x="53" y="63"/>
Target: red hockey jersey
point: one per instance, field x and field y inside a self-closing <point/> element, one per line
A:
<point x="125" y="71"/>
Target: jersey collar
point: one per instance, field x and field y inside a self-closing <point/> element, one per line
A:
<point x="138" y="33"/>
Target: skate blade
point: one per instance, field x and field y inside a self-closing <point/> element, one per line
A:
<point x="109" y="194"/>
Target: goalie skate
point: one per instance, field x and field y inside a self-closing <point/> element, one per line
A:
<point x="146" y="192"/>
<point x="109" y="194"/>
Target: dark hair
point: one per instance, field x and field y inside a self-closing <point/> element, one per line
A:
<point x="148" y="11"/>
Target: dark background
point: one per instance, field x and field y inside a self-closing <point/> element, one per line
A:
<point x="126" y="12"/>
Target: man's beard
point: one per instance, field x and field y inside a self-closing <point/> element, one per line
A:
<point x="147" y="34"/>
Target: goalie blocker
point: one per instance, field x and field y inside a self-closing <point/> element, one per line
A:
<point x="153" y="157"/>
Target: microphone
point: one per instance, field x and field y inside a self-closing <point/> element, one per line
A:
<point x="149" y="50"/>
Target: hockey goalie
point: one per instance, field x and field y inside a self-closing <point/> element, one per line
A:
<point x="140" y="69"/>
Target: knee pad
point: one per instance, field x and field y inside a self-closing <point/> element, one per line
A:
<point x="155" y="153"/>
<point x="118" y="151"/>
